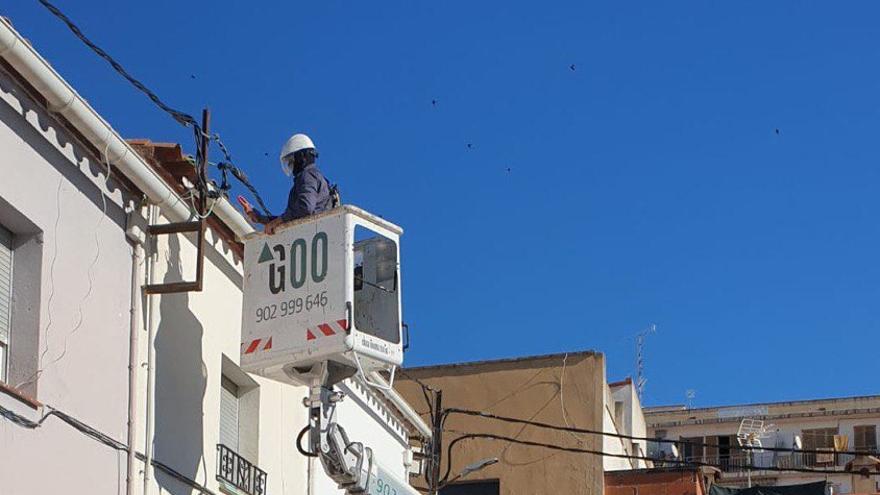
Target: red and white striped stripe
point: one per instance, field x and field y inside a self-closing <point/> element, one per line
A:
<point x="326" y="329"/>
<point x="255" y="345"/>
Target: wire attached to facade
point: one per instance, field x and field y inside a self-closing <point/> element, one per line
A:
<point x="103" y="438"/>
<point x="562" y="400"/>
<point x="36" y="374"/>
<point x="88" y="294"/>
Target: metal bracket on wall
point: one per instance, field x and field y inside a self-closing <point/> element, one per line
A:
<point x="180" y="228"/>
<point x="193" y="226"/>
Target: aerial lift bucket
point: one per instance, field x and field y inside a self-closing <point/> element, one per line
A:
<point x="321" y="304"/>
<point x="323" y="288"/>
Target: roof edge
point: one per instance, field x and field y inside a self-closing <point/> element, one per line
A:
<point x="676" y="408"/>
<point x="503" y="360"/>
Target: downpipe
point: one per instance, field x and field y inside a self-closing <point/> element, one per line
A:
<point x="152" y="316"/>
<point x="133" y="352"/>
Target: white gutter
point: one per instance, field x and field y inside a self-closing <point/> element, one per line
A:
<point x="64" y="100"/>
<point x="402" y="405"/>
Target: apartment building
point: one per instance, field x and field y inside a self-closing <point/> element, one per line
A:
<point x="828" y="425"/>
<point x="107" y="387"/>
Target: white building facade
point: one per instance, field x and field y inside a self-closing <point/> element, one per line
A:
<point x="623" y="416"/>
<point x="828" y="425"/>
<point x="107" y="390"/>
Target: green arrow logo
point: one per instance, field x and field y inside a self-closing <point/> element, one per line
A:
<point x="266" y="254"/>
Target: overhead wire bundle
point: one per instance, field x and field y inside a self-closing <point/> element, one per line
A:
<point x="101" y="437"/>
<point x="182" y="118"/>
<point x="695" y="463"/>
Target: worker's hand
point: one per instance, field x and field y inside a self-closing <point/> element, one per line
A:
<point x="248" y="209"/>
<point x="271" y="226"/>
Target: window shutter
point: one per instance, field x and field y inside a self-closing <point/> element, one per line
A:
<point x="229" y="414"/>
<point x="5" y="284"/>
<point x="865" y="437"/>
<point x="5" y="297"/>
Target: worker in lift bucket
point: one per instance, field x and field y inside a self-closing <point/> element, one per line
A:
<point x="311" y="192"/>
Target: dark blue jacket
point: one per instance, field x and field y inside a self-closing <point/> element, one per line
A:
<point x="309" y="195"/>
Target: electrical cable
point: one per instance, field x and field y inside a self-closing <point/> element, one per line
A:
<point x="425" y="389"/>
<point x="539" y="424"/>
<point x="103" y="438"/>
<point x="196" y="210"/>
<point x="88" y="294"/>
<point x="238" y="173"/>
<point x="182" y="118"/>
<point x="490" y="436"/>
<point x="375" y="286"/>
<point x="299" y="446"/>
<point x="36" y="374"/>
<point x="562" y="400"/>
<point x="422" y="384"/>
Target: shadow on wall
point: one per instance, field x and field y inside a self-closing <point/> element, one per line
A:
<point x="181" y="380"/>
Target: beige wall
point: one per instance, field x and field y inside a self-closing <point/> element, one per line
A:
<point x="529" y="388"/>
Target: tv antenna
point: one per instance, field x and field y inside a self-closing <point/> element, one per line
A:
<point x="690" y="394"/>
<point x="749" y="435"/>
<point x="640" y="359"/>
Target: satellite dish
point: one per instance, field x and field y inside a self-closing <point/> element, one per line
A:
<point x="749" y="435"/>
<point x="798" y="443"/>
<point x="675" y="452"/>
<point x="751" y="432"/>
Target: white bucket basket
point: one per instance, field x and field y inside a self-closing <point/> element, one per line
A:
<point x="324" y="288"/>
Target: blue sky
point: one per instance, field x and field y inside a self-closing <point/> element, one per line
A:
<point x="647" y="185"/>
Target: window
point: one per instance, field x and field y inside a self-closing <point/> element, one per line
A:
<point x="819" y="439"/>
<point x="229" y="414"/>
<point x="237" y="446"/>
<point x="5" y="298"/>
<point x="865" y="438"/>
<point x="618" y="415"/>
<point x="376" y="301"/>
<point x="21" y="255"/>
<point x="719" y="449"/>
<point x="491" y="487"/>
<point x="693" y="448"/>
<point x="239" y="411"/>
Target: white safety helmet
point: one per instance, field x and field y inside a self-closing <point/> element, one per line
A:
<point x="295" y="143"/>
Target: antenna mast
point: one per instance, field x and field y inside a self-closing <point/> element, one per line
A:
<point x="750" y="434"/>
<point x="640" y="359"/>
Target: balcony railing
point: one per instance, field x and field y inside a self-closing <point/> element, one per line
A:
<point x="238" y="472"/>
<point x="739" y="463"/>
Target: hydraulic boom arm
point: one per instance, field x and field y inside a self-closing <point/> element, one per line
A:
<point x="349" y="463"/>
